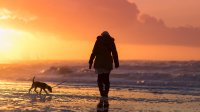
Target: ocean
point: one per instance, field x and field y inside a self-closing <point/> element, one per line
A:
<point x="140" y="86"/>
<point x="130" y="73"/>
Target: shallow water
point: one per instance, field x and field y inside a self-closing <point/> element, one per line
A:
<point x="14" y="97"/>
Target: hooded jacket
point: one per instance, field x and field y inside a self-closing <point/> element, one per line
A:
<point x="104" y="52"/>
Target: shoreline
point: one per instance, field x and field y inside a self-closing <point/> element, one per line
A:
<point x="14" y="97"/>
<point x="194" y="91"/>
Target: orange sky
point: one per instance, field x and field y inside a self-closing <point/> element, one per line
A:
<point x="67" y="29"/>
<point x="173" y="12"/>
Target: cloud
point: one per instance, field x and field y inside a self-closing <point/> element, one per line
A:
<point x="156" y="32"/>
<point x="84" y="19"/>
<point x="6" y="14"/>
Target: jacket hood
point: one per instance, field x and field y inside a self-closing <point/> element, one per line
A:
<point x="105" y="39"/>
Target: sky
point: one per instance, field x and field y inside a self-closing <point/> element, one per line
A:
<point x="67" y="29"/>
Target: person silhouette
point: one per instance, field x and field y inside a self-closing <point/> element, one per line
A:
<point x="103" y="105"/>
<point x="104" y="52"/>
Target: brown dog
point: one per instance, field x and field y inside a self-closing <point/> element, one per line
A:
<point x="40" y="85"/>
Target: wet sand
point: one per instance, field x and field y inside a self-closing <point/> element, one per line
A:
<point x="14" y="97"/>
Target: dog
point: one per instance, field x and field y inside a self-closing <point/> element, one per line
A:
<point x="41" y="85"/>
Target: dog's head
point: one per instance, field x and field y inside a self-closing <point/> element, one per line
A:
<point x="49" y="88"/>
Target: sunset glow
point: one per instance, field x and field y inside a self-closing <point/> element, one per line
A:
<point x="6" y="41"/>
<point x="67" y="29"/>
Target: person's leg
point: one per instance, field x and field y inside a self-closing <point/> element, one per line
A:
<point x="107" y="84"/>
<point x="100" y="84"/>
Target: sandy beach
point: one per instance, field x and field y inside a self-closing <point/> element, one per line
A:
<point x="72" y="98"/>
<point x="145" y="53"/>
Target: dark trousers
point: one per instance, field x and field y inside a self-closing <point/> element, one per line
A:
<point x="104" y="84"/>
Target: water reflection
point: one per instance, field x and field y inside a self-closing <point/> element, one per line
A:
<point x="40" y="98"/>
<point x="44" y="98"/>
<point x="103" y="105"/>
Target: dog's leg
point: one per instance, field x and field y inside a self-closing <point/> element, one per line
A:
<point x="40" y="91"/>
<point x="45" y="91"/>
<point x="30" y="89"/>
<point x="35" y="90"/>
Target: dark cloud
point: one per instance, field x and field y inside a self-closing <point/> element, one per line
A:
<point x="84" y="19"/>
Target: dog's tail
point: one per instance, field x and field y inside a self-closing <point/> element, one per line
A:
<point x="33" y="79"/>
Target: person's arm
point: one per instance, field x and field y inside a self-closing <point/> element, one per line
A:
<point x="93" y="55"/>
<point x="115" y="55"/>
